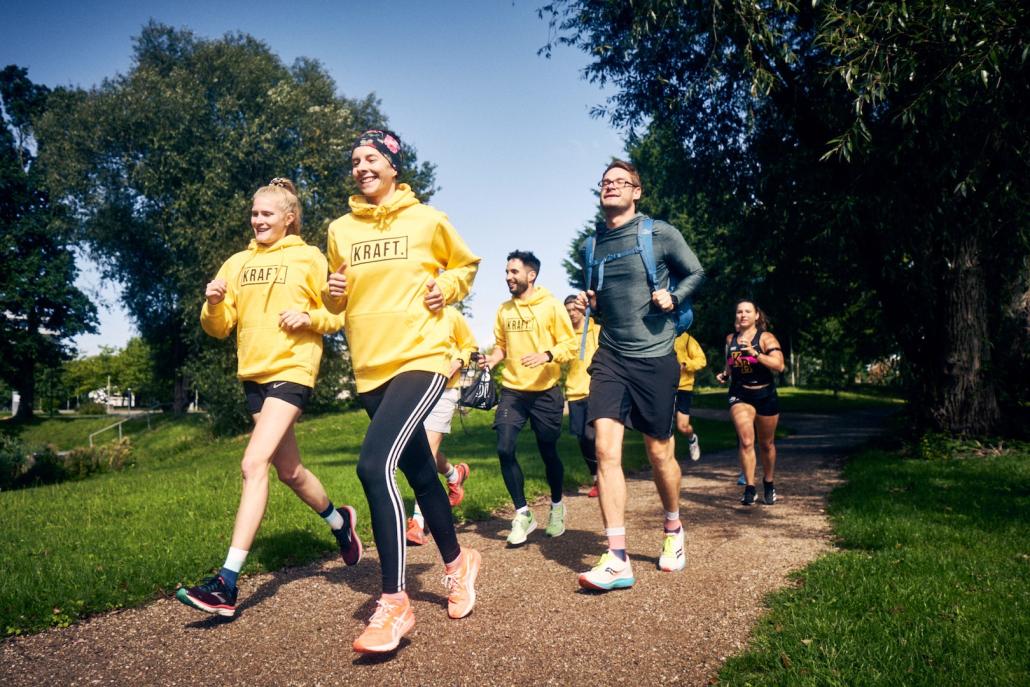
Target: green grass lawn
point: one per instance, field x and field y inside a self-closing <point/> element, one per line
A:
<point x="931" y="585"/>
<point x="118" y="539"/>
<point x="66" y="432"/>
<point x="795" y="400"/>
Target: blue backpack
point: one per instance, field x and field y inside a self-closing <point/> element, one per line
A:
<point x="683" y="315"/>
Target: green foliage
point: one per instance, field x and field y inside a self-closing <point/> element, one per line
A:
<point x="91" y="408"/>
<point x="929" y="587"/>
<point x="160" y="164"/>
<point x="213" y="372"/>
<point x="859" y="169"/>
<point x="12" y="461"/>
<point x="41" y="307"/>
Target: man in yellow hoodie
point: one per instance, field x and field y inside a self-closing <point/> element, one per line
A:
<point x="532" y="335"/>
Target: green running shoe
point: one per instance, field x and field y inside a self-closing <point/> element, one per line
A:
<point x="556" y="523"/>
<point x="521" y="526"/>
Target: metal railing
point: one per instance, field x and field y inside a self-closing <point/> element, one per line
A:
<point x="119" y="426"/>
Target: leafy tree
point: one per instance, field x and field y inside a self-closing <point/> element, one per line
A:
<point x="159" y="165"/>
<point x="861" y="168"/>
<point x="40" y="308"/>
<point x="124" y="369"/>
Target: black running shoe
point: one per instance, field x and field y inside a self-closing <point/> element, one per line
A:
<point x="347" y="537"/>
<point x="750" y="494"/>
<point x="769" y="498"/>
<point x="212" y="595"/>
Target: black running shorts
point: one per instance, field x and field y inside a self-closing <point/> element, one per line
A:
<point x="291" y="392"/>
<point x="684" y="399"/>
<point x="638" y="392"/>
<point x="765" y="401"/>
<point x="578" y="425"/>
<point x="544" y="410"/>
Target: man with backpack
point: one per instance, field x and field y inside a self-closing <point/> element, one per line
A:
<point x="639" y="276"/>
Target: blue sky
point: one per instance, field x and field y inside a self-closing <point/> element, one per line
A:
<point x="517" y="153"/>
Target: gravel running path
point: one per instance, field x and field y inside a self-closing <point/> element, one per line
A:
<point x="532" y="624"/>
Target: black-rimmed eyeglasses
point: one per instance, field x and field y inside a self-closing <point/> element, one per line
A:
<point x="614" y="183"/>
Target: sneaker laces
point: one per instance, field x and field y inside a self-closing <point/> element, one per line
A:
<point x="213" y="584"/>
<point x="382" y="613"/>
<point x="453" y="580"/>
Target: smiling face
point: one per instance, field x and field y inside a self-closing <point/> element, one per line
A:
<point x="518" y="277"/>
<point x="376" y="177"/>
<point x="268" y="219"/>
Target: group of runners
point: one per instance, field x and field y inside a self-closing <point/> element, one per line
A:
<point x="392" y="268"/>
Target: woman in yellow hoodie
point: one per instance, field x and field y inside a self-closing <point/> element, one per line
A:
<point x="271" y="294"/>
<point x="395" y="264"/>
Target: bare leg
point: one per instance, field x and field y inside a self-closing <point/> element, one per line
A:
<point x="297" y="477"/>
<point x="435" y="440"/>
<point x="611" y="482"/>
<point x="743" y="416"/>
<point x="270" y="427"/>
<point x="766" y="426"/>
<point x="666" y="471"/>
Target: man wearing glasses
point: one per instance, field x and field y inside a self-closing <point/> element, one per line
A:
<point x="634" y="373"/>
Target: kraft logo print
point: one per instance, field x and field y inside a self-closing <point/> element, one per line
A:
<point x="379" y="250"/>
<point x="252" y="276"/>
<point x="517" y="324"/>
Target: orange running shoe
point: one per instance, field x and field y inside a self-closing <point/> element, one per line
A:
<point x="461" y="585"/>
<point x="416" y="534"/>
<point x="456" y="490"/>
<point x="388" y="624"/>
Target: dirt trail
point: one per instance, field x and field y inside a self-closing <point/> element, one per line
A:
<point x="532" y="624"/>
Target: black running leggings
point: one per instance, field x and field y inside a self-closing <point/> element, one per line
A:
<point x="588" y="448"/>
<point x="507" y="435"/>
<point x="396" y="438"/>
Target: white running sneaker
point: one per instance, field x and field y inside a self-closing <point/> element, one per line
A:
<point x="521" y="526"/>
<point x="673" y="557"/>
<point x="610" y="573"/>
<point x="695" y="448"/>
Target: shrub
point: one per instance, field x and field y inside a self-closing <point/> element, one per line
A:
<point x="83" y="462"/>
<point x="47" y="468"/>
<point x="12" y="460"/>
<point x="92" y="408"/>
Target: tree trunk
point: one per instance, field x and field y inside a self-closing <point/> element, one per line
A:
<point x="179" y="400"/>
<point x="963" y="394"/>
<point x="27" y="394"/>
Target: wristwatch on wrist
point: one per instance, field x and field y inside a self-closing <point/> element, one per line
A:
<point x="550" y="356"/>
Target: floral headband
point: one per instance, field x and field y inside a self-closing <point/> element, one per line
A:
<point x="386" y="142"/>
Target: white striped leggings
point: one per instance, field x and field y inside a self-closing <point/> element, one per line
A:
<point x="396" y="438"/>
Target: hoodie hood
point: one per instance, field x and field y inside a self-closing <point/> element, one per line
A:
<point x="383" y="214"/>
<point x="285" y="242"/>
<point x="540" y="294"/>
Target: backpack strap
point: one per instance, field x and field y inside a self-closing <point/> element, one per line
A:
<point x="645" y="244"/>
<point x="588" y="265"/>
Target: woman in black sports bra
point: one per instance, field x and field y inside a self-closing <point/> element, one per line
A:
<point x="752" y="356"/>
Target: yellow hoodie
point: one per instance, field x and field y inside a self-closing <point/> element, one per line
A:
<point x="577" y="383"/>
<point x="691" y="359"/>
<point x="262" y="282"/>
<point x="392" y="250"/>
<point x="462" y="341"/>
<point x="538" y="325"/>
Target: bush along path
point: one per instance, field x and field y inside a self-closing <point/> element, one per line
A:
<point x="532" y="624"/>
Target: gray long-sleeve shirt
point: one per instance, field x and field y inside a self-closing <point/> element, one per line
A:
<point x="630" y="324"/>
